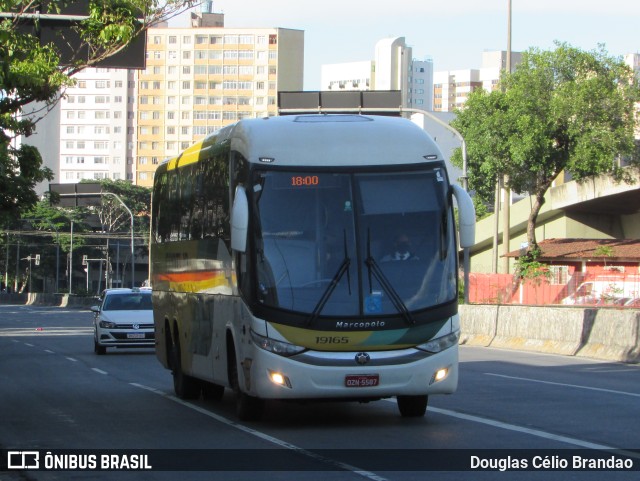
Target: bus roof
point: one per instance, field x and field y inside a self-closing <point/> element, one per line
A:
<point x="333" y="140"/>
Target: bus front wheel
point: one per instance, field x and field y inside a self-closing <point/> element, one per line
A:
<point x="412" y="406"/>
<point x="248" y="408"/>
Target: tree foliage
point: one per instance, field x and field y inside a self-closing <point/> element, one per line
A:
<point x="32" y="72"/>
<point x="560" y="110"/>
<point x="114" y="217"/>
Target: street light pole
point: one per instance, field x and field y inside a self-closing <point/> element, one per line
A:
<point x="133" y="262"/>
<point x="506" y="201"/>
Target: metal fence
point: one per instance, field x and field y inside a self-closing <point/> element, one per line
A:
<point x="618" y="290"/>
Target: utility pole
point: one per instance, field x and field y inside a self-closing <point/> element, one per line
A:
<point x="506" y="205"/>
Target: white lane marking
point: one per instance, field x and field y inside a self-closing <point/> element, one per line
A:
<point x="577" y="386"/>
<point x="49" y="351"/>
<point x="72" y="359"/>
<point x="520" y="429"/>
<point x="532" y="432"/>
<point x="49" y="331"/>
<point x="99" y="371"/>
<point x="27" y="344"/>
<point x="265" y="437"/>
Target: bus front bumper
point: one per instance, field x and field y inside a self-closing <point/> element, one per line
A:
<point x="352" y="375"/>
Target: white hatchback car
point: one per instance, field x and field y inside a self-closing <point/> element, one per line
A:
<point x="124" y="318"/>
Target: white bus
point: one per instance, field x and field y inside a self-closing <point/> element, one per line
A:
<point x="309" y="257"/>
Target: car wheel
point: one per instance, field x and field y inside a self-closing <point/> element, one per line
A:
<point x="98" y="349"/>
<point x="412" y="406"/>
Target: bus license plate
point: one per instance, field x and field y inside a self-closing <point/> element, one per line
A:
<point x="361" y="380"/>
<point x="135" y="335"/>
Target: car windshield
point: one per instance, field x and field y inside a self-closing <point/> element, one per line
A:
<point x="354" y="244"/>
<point x="127" y="302"/>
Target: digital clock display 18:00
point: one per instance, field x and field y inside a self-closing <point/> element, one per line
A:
<point x="304" y="180"/>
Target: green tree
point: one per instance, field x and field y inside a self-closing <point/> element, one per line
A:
<point x="561" y="110"/>
<point x="114" y="217"/>
<point x="31" y="72"/>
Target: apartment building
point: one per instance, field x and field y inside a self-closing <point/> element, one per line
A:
<point x="95" y="126"/>
<point x="199" y="79"/>
<point x="120" y="124"/>
<point x="420" y="84"/>
<point x="348" y="76"/>
<point x="452" y="88"/>
<point x="392" y="69"/>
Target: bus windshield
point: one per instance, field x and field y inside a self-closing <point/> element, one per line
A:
<point x="354" y="244"/>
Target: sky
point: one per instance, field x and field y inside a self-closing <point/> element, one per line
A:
<point x="453" y="33"/>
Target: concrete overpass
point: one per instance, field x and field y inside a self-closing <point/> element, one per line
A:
<point x="598" y="208"/>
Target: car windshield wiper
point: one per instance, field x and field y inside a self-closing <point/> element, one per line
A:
<point x="375" y="269"/>
<point x="342" y="268"/>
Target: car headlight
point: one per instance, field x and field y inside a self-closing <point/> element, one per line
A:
<point x="108" y="324"/>
<point x="277" y="347"/>
<point x="441" y="343"/>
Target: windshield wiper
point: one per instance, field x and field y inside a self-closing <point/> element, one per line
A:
<point x="342" y="268"/>
<point x="375" y="269"/>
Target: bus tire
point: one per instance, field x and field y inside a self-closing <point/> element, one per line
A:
<point x="248" y="408"/>
<point x="185" y="387"/>
<point x="212" y="392"/>
<point x="412" y="406"/>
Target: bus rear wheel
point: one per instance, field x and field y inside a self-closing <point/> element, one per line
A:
<point x="412" y="406"/>
<point x="185" y="387"/>
<point x="212" y="392"/>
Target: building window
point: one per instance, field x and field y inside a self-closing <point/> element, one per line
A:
<point x="559" y="275"/>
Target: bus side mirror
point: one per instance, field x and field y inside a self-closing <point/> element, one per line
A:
<point x="466" y="215"/>
<point x="239" y="220"/>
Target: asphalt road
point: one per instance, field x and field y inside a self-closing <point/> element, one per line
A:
<point x="56" y="394"/>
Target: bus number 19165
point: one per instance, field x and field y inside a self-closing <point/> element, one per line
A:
<point x="332" y="340"/>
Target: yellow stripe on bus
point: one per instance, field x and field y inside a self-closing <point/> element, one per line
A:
<point x="189" y="156"/>
<point x="341" y="340"/>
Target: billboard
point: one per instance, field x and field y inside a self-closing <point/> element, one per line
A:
<point x="59" y="30"/>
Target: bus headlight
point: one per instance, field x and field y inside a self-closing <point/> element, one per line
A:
<point x="277" y="347"/>
<point x="441" y="343"/>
